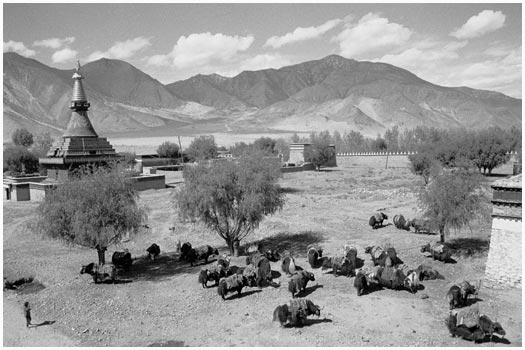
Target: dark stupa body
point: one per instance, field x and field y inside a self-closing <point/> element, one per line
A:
<point x="80" y="144"/>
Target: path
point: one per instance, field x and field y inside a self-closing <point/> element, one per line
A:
<point x="17" y="334"/>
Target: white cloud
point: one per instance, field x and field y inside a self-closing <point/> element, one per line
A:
<point x="301" y="34"/>
<point x="54" y="43"/>
<point x="18" y="47"/>
<point x="122" y="49"/>
<point x="371" y="35"/>
<point x="485" y="22"/>
<point x="64" y="55"/>
<point x="203" y="50"/>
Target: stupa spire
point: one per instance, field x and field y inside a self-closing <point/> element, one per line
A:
<point x="79" y="125"/>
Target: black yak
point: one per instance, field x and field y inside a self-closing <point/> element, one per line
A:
<point x="272" y="255"/>
<point x="153" y="251"/>
<point x="350" y="253"/>
<point x="466" y="289"/>
<point x="391" y="276"/>
<point x="314" y="255"/>
<point x="213" y="273"/>
<point x="299" y="309"/>
<point x="473" y="333"/>
<point x="231" y="284"/>
<point x="360" y="283"/>
<point x="184" y="250"/>
<point x="224" y="260"/>
<point x="250" y="273"/>
<point x="378" y="255"/>
<point x="454" y="297"/>
<point x="428" y="273"/>
<point x="200" y="253"/>
<point x="122" y="259"/>
<point x="262" y="268"/>
<point x="438" y="251"/>
<point x="420" y="225"/>
<point x="299" y="281"/>
<point x="288" y="264"/>
<point x="104" y="273"/>
<point x="281" y="314"/>
<point x="338" y="263"/>
<point x="489" y="327"/>
<point x="400" y="222"/>
<point x="377" y="219"/>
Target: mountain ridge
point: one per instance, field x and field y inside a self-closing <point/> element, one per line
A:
<point x="332" y="93"/>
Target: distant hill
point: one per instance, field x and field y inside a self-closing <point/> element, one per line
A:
<point x="333" y="93"/>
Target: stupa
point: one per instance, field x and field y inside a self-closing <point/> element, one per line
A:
<point x="80" y="145"/>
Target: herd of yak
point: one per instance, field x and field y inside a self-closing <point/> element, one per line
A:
<point x="386" y="271"/>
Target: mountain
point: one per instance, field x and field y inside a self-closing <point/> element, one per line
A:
<point x="333" y="93"/>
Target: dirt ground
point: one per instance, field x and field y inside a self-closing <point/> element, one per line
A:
<point x="160" y="303"/>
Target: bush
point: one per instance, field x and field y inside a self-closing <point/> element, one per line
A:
<point x="19" y="160"/>
<point x="168" y="150"/>
<point x="202" y="148"/>
<point x="22" y="137"/>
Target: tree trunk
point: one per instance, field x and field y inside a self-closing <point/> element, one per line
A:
<point x="236" y="246"/>
<point x="101" y="255"/>
<point x="229" y="242"/>
<point x="442" y="235"/>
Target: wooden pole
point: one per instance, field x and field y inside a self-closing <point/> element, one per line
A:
<point x="180" y="151"/>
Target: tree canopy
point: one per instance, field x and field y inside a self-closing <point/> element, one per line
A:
<point x="94" y="208"/>
<point x="452" y="199"/>
<point x="321" y="151"/>
<point x="168" y="150"/>
<point x="19" y="160"/>
<point x="231" y="198"/>
<point x="22" y="137"/>
<point x="202" y="148"/>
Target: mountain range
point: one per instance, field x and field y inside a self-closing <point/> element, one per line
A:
<point x="333" y="93"/>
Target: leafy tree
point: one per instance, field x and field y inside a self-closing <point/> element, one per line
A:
<point x="168" y="150"/>
<point x="42" y="144"/>
<point x="19" y="160"/>
<point x="266" y="145"/>
<point x="202" y="148"/>
<point x="95" y="209"/>
<point x="22" y="137"/>
<point x="128" y="158"/>
<point x="391" y="138"/>
<point x="452" y="199"/>
<point x="283" y="148"/>
<point x="240" y="148"/>
<point x="231" y="198"/>
<point x="354" y="141"/>
<point x="379" y="145"/>
<point x="423" y="164"/>
<point x="321" y="151"/>
<point x="491" y="149"/>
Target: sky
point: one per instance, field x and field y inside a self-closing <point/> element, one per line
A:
<point x="478" y="45"/>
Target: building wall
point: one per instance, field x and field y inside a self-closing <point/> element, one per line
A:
<point x="150" y="182"/>
<point x="373" y="160"/>
<point x="504" y="264"/>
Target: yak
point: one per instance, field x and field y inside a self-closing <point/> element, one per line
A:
<point x="200" y="253"/>
<point x="314" y="255"/>
<point x="377" y="219"/>
<point x="213" y="273"/>
<point x="299" y="309"/>
<point x="428" y="273"/>
<point x="400" y="222"/>
<point x="438" y="251"/>
<point x="299" y="281"/>
<point x="231" y="284"/>
<point x="250" y="273"/>
<point x="454" y="297"/>
<point x="467" y="289"/>
<point x="360" y="283"/>
<point x="223" y="260"/>
<point x="281" y="314"/>
<point x="338" y="263"/>
<point x="378" y="255"/>
<point x="350" y="253"/>
<point x="420" y="225"/>
<point x="392" y="277"/>
<point x="489" y="327"/>
<point x="122" y="259"/>
<point x="262" y="268"/>
<point x="184" y="250"/>
<point x="288" y="263"/>
<point x="272" y="255"/>
<point x="153" y="251"/>
<point x="104" y="273"/>
<point x="411" y="281"/>
<point x="474" y="333"/>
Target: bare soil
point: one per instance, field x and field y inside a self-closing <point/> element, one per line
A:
<point x="161" y="303"/>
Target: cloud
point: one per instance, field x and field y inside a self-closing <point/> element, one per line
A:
<point x="371" y="35"/>
<point x="19" y="48"/>
<point x="122" y="49"/>
<point x="64" y="55"/>
<point x="202" y="50"/>
<point x="54" y="43"/>
<point x="485" y="22"/>
<point x="301" y="34"/>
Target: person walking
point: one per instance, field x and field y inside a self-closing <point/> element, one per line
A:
<point x="27" y="314"/>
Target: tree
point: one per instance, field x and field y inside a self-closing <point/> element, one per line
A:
<point x="423" y="164"/>
<point x="94" y="208"/>
<point x="266" y="145"/>
<point x="283" y="149"/>
<point x="491" y="150"/>
<point x="321" y="151"/>
<point x="19" y="160"/>
<point x="379" y="144"/>
<point x="231" y="198"/>
<point x="22" y="137"/>
<point x="168" y="150"/>
<point x="202" y="148"/>
<point x="452" y="199"/>
<point x="240" y="148"/>
<point x="392" y="139"/>
<point x="42" y="144"/>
